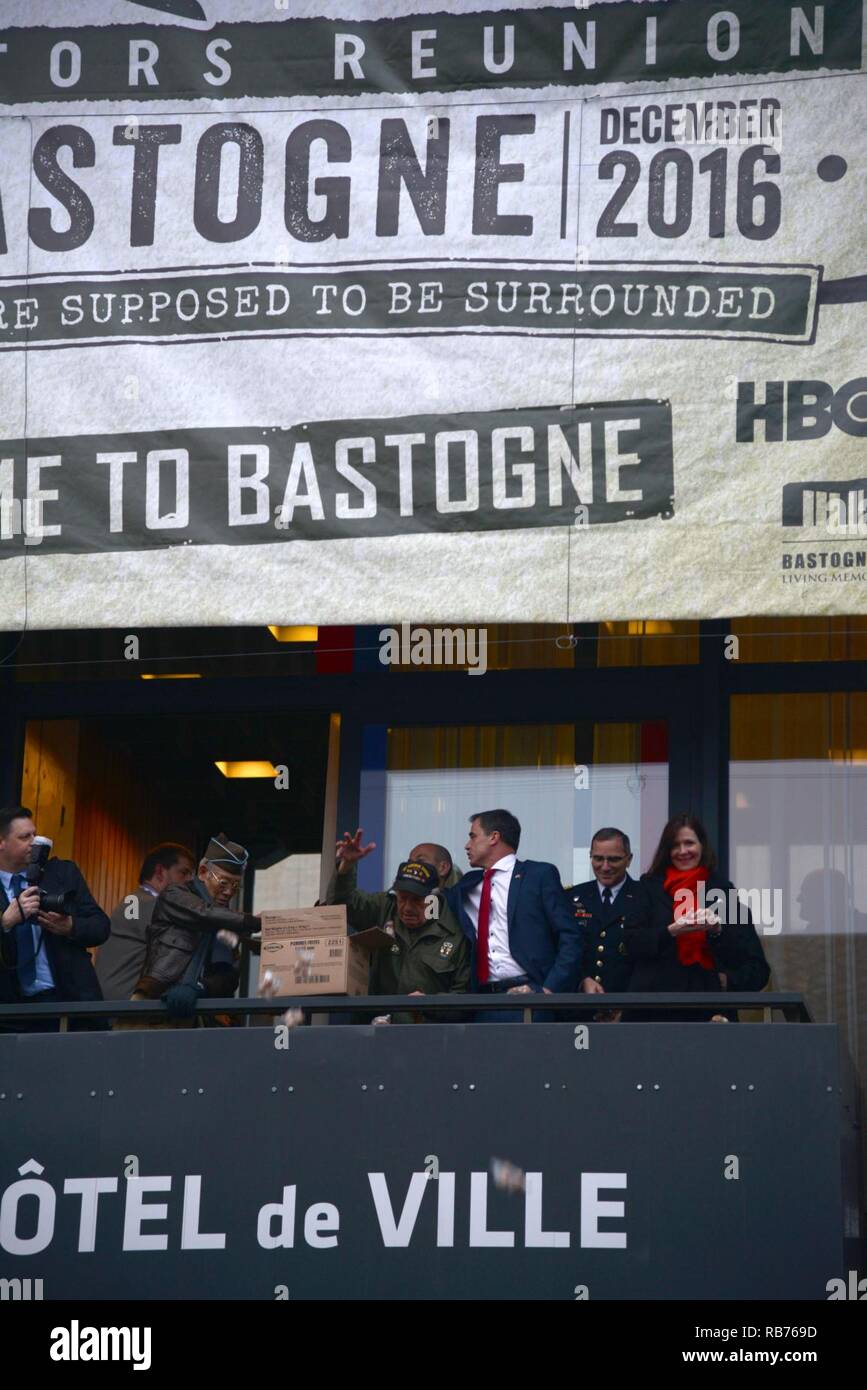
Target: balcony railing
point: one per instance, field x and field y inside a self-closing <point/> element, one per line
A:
<point x="533" y="1008"/>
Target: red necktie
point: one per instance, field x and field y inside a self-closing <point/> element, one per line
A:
<point x="483" y="968"/>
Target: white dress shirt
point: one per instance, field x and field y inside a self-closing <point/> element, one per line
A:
<point x="614" y="888"/>
<point x="503" y="966"/>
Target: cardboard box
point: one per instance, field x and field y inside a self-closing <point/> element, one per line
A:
<point x="310" y="952"/>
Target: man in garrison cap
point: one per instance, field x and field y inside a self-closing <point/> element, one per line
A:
<point x="184" y="926"/>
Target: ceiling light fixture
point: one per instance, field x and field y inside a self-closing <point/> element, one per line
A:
<point x="247" y="769"/>
<point x="294" y="634"/>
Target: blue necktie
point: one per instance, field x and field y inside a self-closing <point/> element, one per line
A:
<point x="24" y="942"/>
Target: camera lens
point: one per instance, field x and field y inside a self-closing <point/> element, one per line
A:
<point x="57" y="902"/>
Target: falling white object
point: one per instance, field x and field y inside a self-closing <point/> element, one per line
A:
<point x="507" y="1176"/>
<point x="270" y="985"/>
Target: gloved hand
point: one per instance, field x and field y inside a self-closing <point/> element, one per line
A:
<point x="181" y="1000"/>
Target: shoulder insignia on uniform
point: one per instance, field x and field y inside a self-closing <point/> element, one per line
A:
<point x="447" y="948"/>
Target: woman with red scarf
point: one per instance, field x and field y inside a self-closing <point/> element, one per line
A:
<point x="693" y="945"/>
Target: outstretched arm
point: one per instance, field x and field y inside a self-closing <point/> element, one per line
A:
<point x="350" y="849"/>
<point x="186" y="909"/>
<point x="363" y="910"/>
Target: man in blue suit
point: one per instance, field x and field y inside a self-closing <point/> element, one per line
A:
<point x="524" y="938"/>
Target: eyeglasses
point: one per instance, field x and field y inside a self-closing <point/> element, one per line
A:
<point x="612" y="859"/>
<point x="232" y="883"/>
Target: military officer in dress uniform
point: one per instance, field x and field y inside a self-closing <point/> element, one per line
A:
<point x="609" y="902"/>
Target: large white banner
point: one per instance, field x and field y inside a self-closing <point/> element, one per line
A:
<point x="327" y="313"/>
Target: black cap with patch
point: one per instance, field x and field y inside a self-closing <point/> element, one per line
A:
<point x="416" y="876"/>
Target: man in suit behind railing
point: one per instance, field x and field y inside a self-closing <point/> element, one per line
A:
<point x="524" y="938"/>
<point x="43" y="954"/>
<point x="121" y="960"/>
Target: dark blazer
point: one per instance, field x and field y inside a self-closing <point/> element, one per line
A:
<point x="74" y="975"/>
<point x="737" y="951"/>
<point x="606" y="958"/>
<point x="120" y="962"/>
<point x="544" y="937"/>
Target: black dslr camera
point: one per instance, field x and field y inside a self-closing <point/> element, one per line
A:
<point x="48" y="902"/>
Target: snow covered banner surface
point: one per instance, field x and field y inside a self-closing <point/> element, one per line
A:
<point x="342" y="312"/>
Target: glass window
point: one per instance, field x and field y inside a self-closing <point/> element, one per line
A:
<point x="562" y="782"/>
<point x="801" y="639"/>
<point x="166" y="653"/>
<point x="291" y="882"/>
<point x="798" y="817"/>
<point x="557" y="646"/>
<point x="507" y="647"/>
<point x="645" y="643"/>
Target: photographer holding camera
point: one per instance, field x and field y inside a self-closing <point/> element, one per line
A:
<point x="48" y="921"/>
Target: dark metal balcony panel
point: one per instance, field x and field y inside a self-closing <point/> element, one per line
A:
<point x="658" y="1118"/>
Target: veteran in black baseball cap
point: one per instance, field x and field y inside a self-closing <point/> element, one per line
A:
<point x="429" y="952"/>
<point x="416" y="877"/>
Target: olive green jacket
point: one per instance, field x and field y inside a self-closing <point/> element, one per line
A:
<point x="433" y="958"/>
<point x="365" y="910"/>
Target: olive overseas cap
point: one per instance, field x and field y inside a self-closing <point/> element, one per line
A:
<point x="222" y="851"/>
<point x="416" y="876"/>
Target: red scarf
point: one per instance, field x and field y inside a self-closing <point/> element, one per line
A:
<point x="692" y="947"/>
